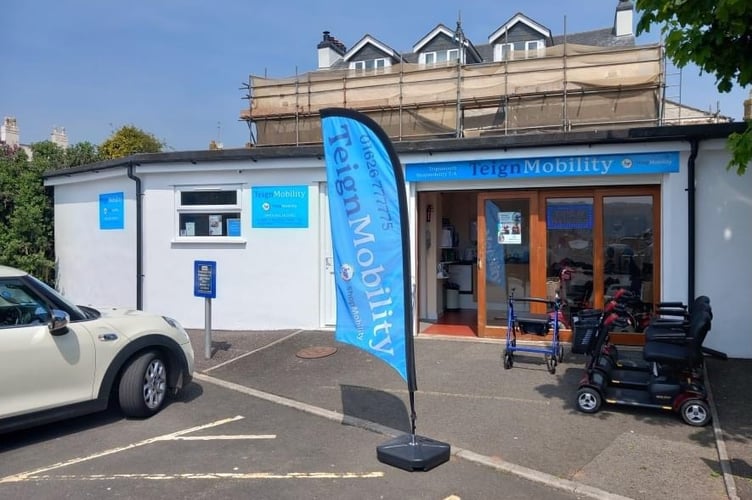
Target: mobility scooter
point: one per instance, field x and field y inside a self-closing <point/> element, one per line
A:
<point x="669" y="382"/>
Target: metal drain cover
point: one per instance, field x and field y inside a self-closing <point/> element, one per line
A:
<point x="316" y="352"/>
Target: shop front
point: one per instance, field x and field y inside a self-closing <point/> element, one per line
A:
<point x="579" y="234"/>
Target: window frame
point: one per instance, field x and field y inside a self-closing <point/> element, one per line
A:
<point x="207" y="210"/>
<point x="370" y="64"/>
<point x="450" y="56"/>
<point x="500" y="54"/>
<point x="534" y="49"/>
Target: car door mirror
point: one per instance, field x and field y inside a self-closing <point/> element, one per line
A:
<point x="58" y="325"/>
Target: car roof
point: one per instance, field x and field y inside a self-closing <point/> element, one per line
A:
<point x="6" y="272"/>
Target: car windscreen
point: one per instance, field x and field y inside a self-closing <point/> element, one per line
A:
<point x="72" y="309"/>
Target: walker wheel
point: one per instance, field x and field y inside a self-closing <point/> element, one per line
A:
<point x="507" y="360"/>
<point x="551" y="363"/>
<point x="560" y="353"/>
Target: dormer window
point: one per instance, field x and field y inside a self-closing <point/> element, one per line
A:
<point x="439" y="56"/>
<point x="534" y="48"/>
<point x="528" y="50"/>
<point x="370" y="64"/>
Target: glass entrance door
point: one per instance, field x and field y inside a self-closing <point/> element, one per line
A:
<point x="506" y="224"/>
<point x="583" y="243"/>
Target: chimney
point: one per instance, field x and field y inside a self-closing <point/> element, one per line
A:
<point x="748" y="107"/>
<point x="624" y="19"/>
<point x="59" y="137"/>
<point x="330" y="50"/>
<point x="9" y="133"/>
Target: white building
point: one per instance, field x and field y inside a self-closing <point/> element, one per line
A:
<point x="129" y="232"/>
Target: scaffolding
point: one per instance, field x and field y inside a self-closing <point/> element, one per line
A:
<point x="572" y="87"/>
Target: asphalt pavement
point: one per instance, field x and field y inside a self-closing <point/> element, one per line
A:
<point x="521" y="420"/>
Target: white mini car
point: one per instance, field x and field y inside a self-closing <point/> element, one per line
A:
<point x="59" y="360"/>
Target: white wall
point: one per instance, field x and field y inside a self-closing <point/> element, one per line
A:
<point x="724" y="247"/>
<point x="95" y="266"/>
<point x="271" y="281"/>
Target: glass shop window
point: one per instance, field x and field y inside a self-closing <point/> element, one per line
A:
<point x="209" y="212"/>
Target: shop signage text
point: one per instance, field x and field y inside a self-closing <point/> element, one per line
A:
<point x="554" y="166"/>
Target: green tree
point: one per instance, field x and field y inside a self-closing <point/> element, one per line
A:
<point x="716" y="35"/>
<point x="82" y="153"/>
<point x="26" y="213"/>
<point x="129" y="140"/>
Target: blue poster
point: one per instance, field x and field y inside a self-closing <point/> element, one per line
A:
<point x="279" y="206"/>
<point x="368" y="207"/>
<point x="111" y="211"/>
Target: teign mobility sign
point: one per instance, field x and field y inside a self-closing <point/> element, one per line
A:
<point x="553" y="166"/>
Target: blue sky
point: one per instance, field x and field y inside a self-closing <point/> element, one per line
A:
<point x="175" y="67"/>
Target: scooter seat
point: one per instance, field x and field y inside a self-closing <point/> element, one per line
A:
<point x="666" y="353"/>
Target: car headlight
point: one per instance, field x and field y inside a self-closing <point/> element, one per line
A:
<point x="177" y="326"/>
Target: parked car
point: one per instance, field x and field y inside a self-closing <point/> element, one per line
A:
<point x="59" y="360"/>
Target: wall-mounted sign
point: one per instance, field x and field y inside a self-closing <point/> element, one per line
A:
<point x="205" y="279"/>
<point x="550" y="166"/>
<point x="279" y="206"/>
<point x="111" y="211"/>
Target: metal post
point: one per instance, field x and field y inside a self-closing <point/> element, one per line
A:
<point x="207" y="328"/>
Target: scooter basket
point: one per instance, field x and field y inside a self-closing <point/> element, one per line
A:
<point x="585" y="327"/>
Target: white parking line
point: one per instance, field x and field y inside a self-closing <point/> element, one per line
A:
<point x="211" y="475"/>
<point x="220" y="438"/>
<point x="232" y="360"/>
<point x="26" y="475"/>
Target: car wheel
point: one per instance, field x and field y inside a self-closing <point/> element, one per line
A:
<point x="588" y="400"/>
<point x="143" y="386"/>
<point x="695" y="412"/>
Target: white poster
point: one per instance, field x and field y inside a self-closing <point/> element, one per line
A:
<point x="215" y="225"/>
<point x="509" y="228"/>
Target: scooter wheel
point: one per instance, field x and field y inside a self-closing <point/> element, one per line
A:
<point x="589" y="400"/>
<point x="507" y="360"/>
<point x="695" y="412"/>
<point x="551" y="363"/>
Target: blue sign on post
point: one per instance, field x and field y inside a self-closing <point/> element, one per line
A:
<point x="205" y="279"/>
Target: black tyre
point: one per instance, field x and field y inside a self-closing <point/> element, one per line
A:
<point x="560" y="353"/>
<point x="551" y="363"/>
<point x="507" y="360"/>
<point x="589" y="400"/>
<point x="695" y="412"/>
<point x="143" y="386"/>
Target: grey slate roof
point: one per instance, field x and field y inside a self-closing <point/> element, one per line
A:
<point x="604" y="37"/>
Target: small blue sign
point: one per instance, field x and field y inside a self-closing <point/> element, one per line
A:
<point x="279" y="207"/>
<point x="205" y="279"/>
<point x="546" y="166"/>
<point x="233" y="227"/>
<point x="111" y="211"/>
<point x="574" y="216"/>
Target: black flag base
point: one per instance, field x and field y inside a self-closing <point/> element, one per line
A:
<point x="411" y="452"/>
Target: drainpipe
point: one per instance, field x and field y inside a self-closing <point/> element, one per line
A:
<point x="139" y="239"/>
<point x="692" y="220"/>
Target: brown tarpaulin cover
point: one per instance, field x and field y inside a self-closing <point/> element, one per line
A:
<point x="571" y="87"/>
